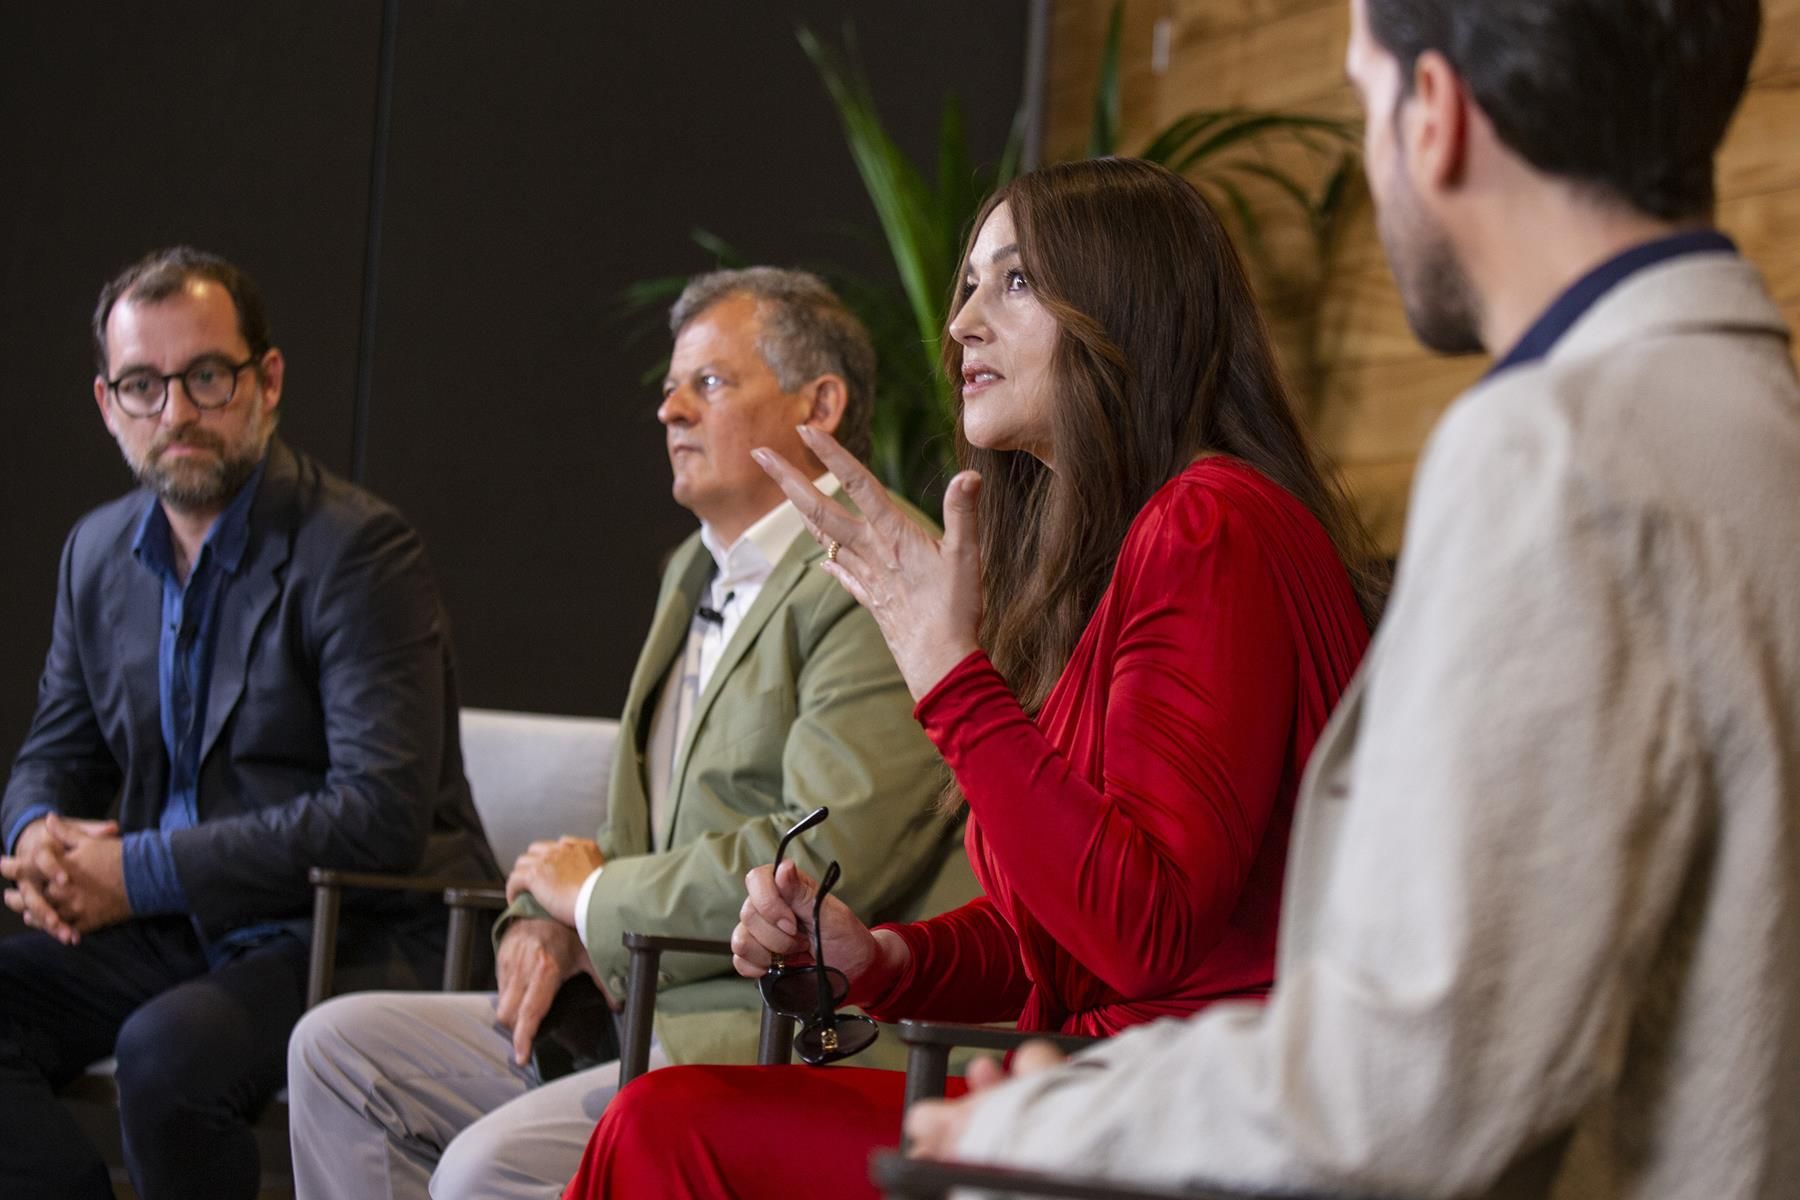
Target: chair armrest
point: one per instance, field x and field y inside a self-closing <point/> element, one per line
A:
<point x="928" y="1046"/>
<point x="465" y="928"/>
<point x="775" y="1039"/>
<point x="659" y="942"/>
<point x="330" y="877"/>
<point x="328" y="887"/>
<point x="985" y="1037"/>
<point x="902" y="1178"/>
<point x="491" y="899"/>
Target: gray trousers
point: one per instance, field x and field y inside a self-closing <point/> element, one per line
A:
<point x="409" y="1094"/>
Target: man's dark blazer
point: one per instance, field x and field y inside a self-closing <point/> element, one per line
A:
<point x="331" y="715"/>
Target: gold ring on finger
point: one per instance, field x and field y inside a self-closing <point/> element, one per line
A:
<point x="831" y="551"/>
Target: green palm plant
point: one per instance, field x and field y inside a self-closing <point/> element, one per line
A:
<point x="924" y="220"/>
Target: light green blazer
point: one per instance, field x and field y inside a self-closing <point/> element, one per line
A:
<point x="806" y="707"/>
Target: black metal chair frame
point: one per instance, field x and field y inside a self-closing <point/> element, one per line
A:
<point x="928" y="1047"/>
<point x="928" y="1043"/>
<point x="465" y="899"/>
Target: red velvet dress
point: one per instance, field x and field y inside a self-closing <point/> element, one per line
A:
<point x="1130" y="841"/>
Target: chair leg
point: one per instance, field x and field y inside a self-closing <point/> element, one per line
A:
<point x="324" y="944"/>
<point x="927" y="1073"/>
<point x="774" y="1039"/>
<point x="459" y="949"/>
<point x="640" y="1011"/>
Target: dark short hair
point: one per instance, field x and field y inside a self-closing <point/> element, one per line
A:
<point x="1629" y="97"/>
<point x="805" y="332"/>
<point x="161" y="273"/>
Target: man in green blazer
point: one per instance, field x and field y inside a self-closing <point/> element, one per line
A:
<point x="762" y="692"/>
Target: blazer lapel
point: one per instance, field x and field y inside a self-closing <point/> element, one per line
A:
<point x="787" y="573"/>
<point x="251" y="595"/>
<point x="628" y="814"/>
<point x="133" y="611"/>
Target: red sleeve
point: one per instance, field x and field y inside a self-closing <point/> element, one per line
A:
<point x="1137" y="881"/>
<point x="965" y="966"/>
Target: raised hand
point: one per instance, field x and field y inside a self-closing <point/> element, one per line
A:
<point x="925" y="593"/>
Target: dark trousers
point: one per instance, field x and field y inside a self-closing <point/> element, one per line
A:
<point x="201" y="1050"/>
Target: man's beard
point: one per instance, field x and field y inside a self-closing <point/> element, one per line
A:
<point x="1442" y="306"/>
<point x="188" y="485"/>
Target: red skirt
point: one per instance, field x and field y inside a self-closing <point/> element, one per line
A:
<point x="708" y="1132"/>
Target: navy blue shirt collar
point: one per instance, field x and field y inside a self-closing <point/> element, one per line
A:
<point x="226" y="540"/>
<point x="1585" y="292"/>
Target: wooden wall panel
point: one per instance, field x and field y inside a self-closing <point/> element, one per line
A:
<point x="1779" y="53"/>
<point x="1370" y="392"/>
<point x="1234" y="67"/>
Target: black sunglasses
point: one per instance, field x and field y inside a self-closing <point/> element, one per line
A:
<point x="826" y="1035"/>
<point x="789" y="990"/>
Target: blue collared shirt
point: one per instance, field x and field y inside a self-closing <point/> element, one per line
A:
<point x="189" y="633"/>
<point x="1585" y="292"/>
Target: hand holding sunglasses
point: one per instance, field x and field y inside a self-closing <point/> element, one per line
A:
<point x="811" y="993"/>
<point x="775" y="923"/>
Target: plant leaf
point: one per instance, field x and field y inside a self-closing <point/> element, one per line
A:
<point x="722" y="250"/>
<point x="1281" y="179"/>
<point x="1246" y="126"/>
<point x="1184" y="129"/>
<point x="903" y="204"/>
<point x="1010" y="157"/>
<point x="1103" y="138"/>
<point x="1246" y="214"/>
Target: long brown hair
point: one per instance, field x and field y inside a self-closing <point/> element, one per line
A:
<point x="1162" y="356"/>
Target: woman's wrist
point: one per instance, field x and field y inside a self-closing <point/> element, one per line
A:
<point x="925" y="666"/>
<point x="888" y="962"/>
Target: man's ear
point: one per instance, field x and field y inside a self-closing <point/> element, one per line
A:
<point x="106" y="412"/>
<point x="828" y="396"/>
<point x="271" y="371"/>
<point x="1434" y="124"/>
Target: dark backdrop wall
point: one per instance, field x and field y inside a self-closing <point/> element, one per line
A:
<point x="442" y="202"/>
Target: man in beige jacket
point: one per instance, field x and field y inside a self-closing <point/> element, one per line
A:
<point x="1542" y="928"/>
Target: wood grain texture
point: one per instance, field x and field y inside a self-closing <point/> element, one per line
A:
<point x="1369" y="391"/>
<point x="1779" y="52"/>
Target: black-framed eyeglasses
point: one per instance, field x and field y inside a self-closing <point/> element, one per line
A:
<point x="789" y="989"/>
<point x="210" y="380"/>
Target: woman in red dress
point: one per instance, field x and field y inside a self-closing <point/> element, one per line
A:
<point x="1145" y="605"/>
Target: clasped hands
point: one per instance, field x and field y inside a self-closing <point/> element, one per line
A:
<point x="67" y="876"/>
<point x="924" y="592"/>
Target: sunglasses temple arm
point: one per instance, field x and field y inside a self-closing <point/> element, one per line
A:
<point x="815" y="817"/>
<point x="827" y="1006"/>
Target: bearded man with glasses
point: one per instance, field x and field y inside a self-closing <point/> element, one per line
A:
<point x="250" y="658"/>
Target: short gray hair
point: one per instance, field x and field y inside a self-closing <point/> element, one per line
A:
<point x="805" y="332"/>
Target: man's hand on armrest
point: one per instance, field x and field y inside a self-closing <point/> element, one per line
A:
<point x="553" y="873"/>
<point x="537" y="956"/>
